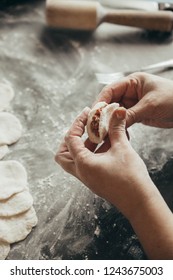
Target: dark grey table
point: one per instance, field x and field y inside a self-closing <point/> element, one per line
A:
<point x="53" y="74"/>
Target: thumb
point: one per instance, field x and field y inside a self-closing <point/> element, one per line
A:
<point x="135" y="113"/>
<point x="117" y="126"/>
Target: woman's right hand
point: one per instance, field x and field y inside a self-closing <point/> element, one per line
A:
<point x="148" y="98"/>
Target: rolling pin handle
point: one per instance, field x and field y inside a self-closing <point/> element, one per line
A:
<point x="159" y="20"/>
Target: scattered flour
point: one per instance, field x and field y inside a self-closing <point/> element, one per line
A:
<point x="6" y="95"/>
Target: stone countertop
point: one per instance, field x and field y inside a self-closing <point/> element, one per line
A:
<point x="53" y="75"/>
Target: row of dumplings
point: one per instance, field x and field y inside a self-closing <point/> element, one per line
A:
<point x="17" y="214"/>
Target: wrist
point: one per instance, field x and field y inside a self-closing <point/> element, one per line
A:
<point x="141" y="201"/>
<point x="153" y="223"/>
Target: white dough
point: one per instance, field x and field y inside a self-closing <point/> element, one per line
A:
<point x="3" y="151"/>
<point x="4" y="250"/>
<point x="6" y="95"/>
<point x="13" y="178"/>
<point x="16" y="204"/>
<point x="105" y="117"/>
<point x="93" y="138"/>
<point x="17" y="215"/>
<point x="106" y="111"/>
<point x="10" y="129"/>
<point x="16" y="228"/>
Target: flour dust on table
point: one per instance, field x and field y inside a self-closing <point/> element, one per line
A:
<point x="6" y="95"/>
<point x="4" y="250"/>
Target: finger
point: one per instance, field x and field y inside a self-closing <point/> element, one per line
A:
<point x="62" y="151"/>
<point x="117" y="127"/>
<point x="62" y="147"/>
<point x="134" y="114"/>
<point x="64" y="159"/>
<point x="73" y="137"/>
<point x="66" y="162"/>
<point x="116" y="91"/>
<point x="143" y="109"/>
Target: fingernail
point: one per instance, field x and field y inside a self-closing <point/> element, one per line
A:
<point x="120" y="113"/>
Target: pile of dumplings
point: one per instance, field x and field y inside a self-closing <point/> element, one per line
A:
<point x="17" y="214"/>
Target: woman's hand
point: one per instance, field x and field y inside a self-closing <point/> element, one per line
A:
<point x="116" y="173"/>
<point x="112" y="173"/>
<point x="148" y="98"/>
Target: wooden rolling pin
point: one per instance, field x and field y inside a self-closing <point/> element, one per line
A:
<point x="87" y="15"/>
